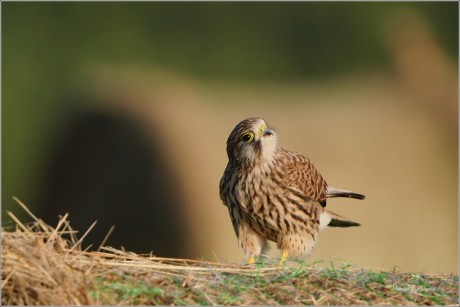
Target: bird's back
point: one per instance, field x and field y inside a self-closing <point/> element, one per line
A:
<point x="303" y="176"/>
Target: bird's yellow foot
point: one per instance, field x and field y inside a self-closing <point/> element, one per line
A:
<point x="284" y="256"/>
<point x="252" y="260"/>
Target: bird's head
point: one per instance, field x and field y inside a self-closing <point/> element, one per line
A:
<point x="252" y="141"/>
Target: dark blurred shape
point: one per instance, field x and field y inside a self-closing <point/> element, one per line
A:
<point x="105" y="168"/>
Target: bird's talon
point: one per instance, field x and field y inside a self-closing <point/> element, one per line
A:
<point x="284" y="256"/>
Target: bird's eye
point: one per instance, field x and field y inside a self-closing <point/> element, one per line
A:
<point x="248" y="137"/>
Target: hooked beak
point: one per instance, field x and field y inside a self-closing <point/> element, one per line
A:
<point x="267" y="132"/>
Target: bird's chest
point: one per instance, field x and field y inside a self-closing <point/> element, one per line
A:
<point x="261" y="200"/>
<point x="256" y="191"/>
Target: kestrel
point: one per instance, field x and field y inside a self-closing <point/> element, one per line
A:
<point x="274" y="194"/>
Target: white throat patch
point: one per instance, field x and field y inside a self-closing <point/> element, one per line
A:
<point x="269" y="146"/>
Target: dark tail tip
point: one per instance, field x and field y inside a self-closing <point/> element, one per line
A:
<point x="347" y="194"/>
<point x="341" y="223"/>
<point x="357" y="196"/>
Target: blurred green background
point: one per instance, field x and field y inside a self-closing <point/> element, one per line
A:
<point x="51" y="50"/>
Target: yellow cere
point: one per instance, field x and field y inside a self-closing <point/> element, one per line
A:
<point x="261" y="129"/>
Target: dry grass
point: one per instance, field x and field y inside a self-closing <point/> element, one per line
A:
<point x="42" y="265"/>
